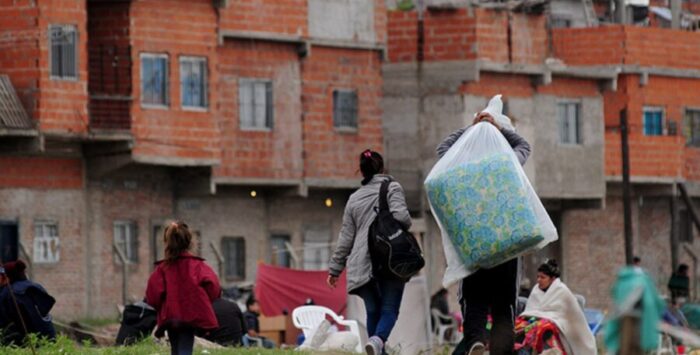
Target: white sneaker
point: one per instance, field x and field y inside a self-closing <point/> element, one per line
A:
<point x="477" y="349"/>
<point x="374" y="346"/>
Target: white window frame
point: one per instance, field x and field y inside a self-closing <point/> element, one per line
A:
<point x="661" y="109"/>
<point x="76" y="54"/>
<point x="346" y="129"/>
<point x="132" y="256"/>
<point x="205" y="83"/>
<point x="579" y="124"/>
<point x="165" y="56"/>
<point x="46" y="247"/>
<point x="269" y="126"/>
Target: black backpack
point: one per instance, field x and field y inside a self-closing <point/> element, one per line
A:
<point x="394" y="252"/>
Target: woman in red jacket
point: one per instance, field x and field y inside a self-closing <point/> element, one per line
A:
<point x="182" y="289"/>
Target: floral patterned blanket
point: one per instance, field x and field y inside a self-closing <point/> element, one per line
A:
<point x="484" y="209"/>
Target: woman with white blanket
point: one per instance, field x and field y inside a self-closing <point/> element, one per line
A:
<point x="553" y="319"/>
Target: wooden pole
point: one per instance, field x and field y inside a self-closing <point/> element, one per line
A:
<point x="674" y="231"/>
<point x="626" y="188"/>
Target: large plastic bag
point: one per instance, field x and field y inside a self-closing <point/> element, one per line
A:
<point x="484" y="204"/>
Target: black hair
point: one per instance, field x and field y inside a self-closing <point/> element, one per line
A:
<point x="550" y="268"/>
<point x="636" y="260"/>
<point x="682" y="268"/>
<point x="371" y="163"/>
<point x="250" y="301"/>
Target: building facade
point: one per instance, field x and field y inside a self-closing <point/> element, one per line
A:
<point x="243" y="118"/>
<point x="565" y="88"/>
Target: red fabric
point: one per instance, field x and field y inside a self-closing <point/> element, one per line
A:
<point x="182" y="292"/>
<point x="277" y="289"/>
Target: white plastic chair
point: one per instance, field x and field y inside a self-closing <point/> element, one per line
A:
<point x="307" y="318"/>
<point x="441" y="329"/>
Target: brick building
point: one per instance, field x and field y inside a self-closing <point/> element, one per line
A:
<point x="244" y="118"/>
<point x="565" y="87"/>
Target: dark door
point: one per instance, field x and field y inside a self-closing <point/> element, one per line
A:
<point x="9" y="241"/>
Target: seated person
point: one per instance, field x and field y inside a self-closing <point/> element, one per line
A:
<point x="251" y="316"/>
<point x="679" y="284"/>
<point x="232" y="324"/>
<point x="553" y="318"/>
<point x="673" y="314"/>
<point x="30" y="299"/>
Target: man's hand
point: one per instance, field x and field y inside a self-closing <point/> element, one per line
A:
<point x="484" y="116"/>
<point x="332" y="281"/>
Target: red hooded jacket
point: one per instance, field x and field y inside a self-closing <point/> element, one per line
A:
<point x="182" y="293"/>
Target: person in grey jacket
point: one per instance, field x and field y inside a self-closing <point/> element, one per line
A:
<point x="494" y="289"/>
<point x="382" y="297"/>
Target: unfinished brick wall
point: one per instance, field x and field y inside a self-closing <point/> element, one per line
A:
<point x="109" y="53"/>
<point x="19" y="49"/>
<point x="174" y="132"/>
<point x="273" y="16"/>
<point x="65" y="207"/>
<point x="461" y="35"/>
<point x="659" y="156"/>
<point x="62" y="105"/>
<point x="329" y="153"/>
<point x="589" y="46"/>
<point x="276" y="153"/>
<point x="41" y="172"/>
<point x="113" y="200"/>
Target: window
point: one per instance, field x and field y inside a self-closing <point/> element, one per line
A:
<point x="255" y="104"/>
<point x="193" y="78"/>
<point x="234" y="257"/>
<point x="345" y="109"/>
<point x="158" y="251"/>
<point x="64" y="51"/>
<point x="46" y="246"/>
<point x="317" y="244"/>
<point x="692" y="127"/>
<point x="279" y="255"/>
<point x="653" y="121"/>
<point x="569" y="122"/>
<point x="560" y="22"/>
<point x="125" y="238"/>
<point x="154" y="79"/>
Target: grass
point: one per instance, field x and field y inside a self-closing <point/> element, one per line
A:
<point x="65" y="346"/>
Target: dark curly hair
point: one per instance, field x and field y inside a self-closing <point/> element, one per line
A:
<point x="550" y="268"/>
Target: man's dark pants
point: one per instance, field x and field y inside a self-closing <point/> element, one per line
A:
<point x="493" y="290"/>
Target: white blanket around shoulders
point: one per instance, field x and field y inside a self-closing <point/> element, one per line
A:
<point x="559" y="305"/>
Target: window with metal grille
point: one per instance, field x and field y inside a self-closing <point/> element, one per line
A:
<point x="691" y="128"/>
<point x="46" y="242"/>
<point x="126" y="239"/>
<point x="193" y="78"/>
<point x="63" y="51"/>
<point x="279" y="255"/>
<point x="653" y="121"/>
<point x="255" y="104"/>
<point x="154" y="79"/>
<point x="345" y="109"/>
<point x="233" y="249"/>
<point x="317" y="245"/>
<point x="569" y="122"/>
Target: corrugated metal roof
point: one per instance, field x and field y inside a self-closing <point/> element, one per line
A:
<point x="12" y="113"/>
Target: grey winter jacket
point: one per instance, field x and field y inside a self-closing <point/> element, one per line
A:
<point x="520" y="146"/>
<point x="351" y="250"/>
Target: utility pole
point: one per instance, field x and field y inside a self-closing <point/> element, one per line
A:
<point x="620" y="12"/>
<point x="626" y="188"/>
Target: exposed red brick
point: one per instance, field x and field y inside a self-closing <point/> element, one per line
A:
<point x="42" y="173"/>
<point x="272" y="16"/>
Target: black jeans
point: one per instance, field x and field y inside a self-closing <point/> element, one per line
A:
<point x="493" y="290"/>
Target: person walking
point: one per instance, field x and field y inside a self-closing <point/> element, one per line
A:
<point x="381" y="296"/>
<point x="182" y="289"/>
<point x="494" y="289"/>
